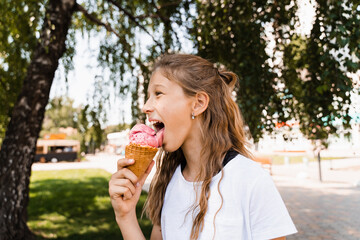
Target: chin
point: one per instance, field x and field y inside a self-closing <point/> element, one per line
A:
<point x="169" y="148"/>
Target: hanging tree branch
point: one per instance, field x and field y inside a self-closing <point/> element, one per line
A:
<point x="96" y="20"/>
<point x="165" y="20"/>
<point x="158" y="15"/>
<point x="133" y="18"/>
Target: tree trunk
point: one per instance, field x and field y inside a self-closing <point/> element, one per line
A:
<point x="19" y="145"/>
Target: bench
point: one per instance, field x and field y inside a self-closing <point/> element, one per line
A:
<point x="266" y="162"/>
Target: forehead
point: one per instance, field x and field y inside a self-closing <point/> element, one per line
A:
<point x="158" y="79"/>
<point x="158" y="82"/>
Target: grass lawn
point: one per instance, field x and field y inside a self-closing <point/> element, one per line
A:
<point x="278" y="159"/>
<point x="75" y="204"/>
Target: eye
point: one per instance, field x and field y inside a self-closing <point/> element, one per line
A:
<point x="157" y="93"/>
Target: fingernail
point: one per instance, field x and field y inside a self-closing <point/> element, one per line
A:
<point x="137" y="184"/>
<point x="130" y="160"/>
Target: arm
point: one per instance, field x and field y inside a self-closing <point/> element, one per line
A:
<point x="124" y="190"/>
<point x="130" y="228"/>
<point x="156" y="233"/>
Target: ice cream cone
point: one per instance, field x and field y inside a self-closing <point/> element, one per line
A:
<point x="143" y="155"/>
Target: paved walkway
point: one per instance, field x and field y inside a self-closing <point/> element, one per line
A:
<point x="320" y="210"/>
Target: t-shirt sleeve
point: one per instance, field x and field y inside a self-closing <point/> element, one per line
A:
<point x="269" y="217"/>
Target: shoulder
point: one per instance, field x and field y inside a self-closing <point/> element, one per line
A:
<point x="245" y="169"/>
<point x="240" y="176"/>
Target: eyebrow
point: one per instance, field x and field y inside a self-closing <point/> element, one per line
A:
<point x="159" y="85"/>
<point x="156" y="85"/>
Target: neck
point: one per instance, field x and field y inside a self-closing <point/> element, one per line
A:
<point x="192" y="151"/>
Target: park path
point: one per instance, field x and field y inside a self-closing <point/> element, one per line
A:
<point x="320" y="210"/>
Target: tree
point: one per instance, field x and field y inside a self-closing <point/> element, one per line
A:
<point x="17" y="40"/>
<point x="83" y="127"/>
<point x="60" y="112"/>
<point x="311" y="84"/>
<point x="232" y="33"/>
<point x="18" y="147"/>
<point x="120" y="53"/>
<point x="315" y="73"/>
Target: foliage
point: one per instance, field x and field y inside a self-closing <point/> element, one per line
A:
<point x="236" y="37"/>
<point x="83" y="127"/>
<point x="88" y="120"/>
<point x="232" y="33"/>
<point x="116" y="128"/>
<point x="317" y="84"/>
<point x="235" y="34"/>
<point x="139" y="32"/>
<point x="60" y="112"/>
<point x="19" y="28"/>
<point x="91" y="129"/>
<point x="119" y="25"/>
<point x="92" y="117"/>
<point x="85" y="212"/>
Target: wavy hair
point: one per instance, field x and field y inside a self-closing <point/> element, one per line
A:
<point x="222" y="129"/>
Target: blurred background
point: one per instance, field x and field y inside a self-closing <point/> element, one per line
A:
<point x="298" y="67"/>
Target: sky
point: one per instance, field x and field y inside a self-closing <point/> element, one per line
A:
<point x="81" y="81"/>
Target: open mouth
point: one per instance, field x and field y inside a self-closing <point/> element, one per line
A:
<point x="158" y="126"/>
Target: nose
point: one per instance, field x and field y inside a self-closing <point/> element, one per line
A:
<point x="147" y="108"/>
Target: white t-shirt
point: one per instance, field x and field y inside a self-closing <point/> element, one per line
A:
<point x="252" y="206"/>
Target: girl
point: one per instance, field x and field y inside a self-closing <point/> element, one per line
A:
<point x="205" y="185"/>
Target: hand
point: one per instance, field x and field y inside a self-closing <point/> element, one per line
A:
<point x="125" y="188"/>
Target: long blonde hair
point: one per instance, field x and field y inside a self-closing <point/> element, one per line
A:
<point x="222" y="125"/>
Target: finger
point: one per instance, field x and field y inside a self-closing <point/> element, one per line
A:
<point x="120" y="192"/>
<point x="127" y="195"/>
<point x="123" y="162"/>
<point x="125" y="173"/>
<point x="147" y="172"/>
<point x="123" y="183"/>
<point x="138" y="191"/>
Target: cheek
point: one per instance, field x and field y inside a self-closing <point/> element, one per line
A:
<point x="176" y="130"/>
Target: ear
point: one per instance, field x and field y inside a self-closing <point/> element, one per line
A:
<point x="201" y="103"/>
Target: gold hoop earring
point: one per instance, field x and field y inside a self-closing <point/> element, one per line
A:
<point x="192" y="116"/>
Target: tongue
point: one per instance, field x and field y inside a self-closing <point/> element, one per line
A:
<point x="160" y="137"/>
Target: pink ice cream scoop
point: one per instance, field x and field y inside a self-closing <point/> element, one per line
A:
<point x="146" y="136"/>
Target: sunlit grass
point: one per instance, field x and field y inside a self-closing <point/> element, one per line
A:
<point x="277" y="159"/>
<point x="74" y="204"/>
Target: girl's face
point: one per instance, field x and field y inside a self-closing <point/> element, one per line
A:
<point x="168" y="104"/>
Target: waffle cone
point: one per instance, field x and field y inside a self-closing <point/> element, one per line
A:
<point x="143" y="155"/>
